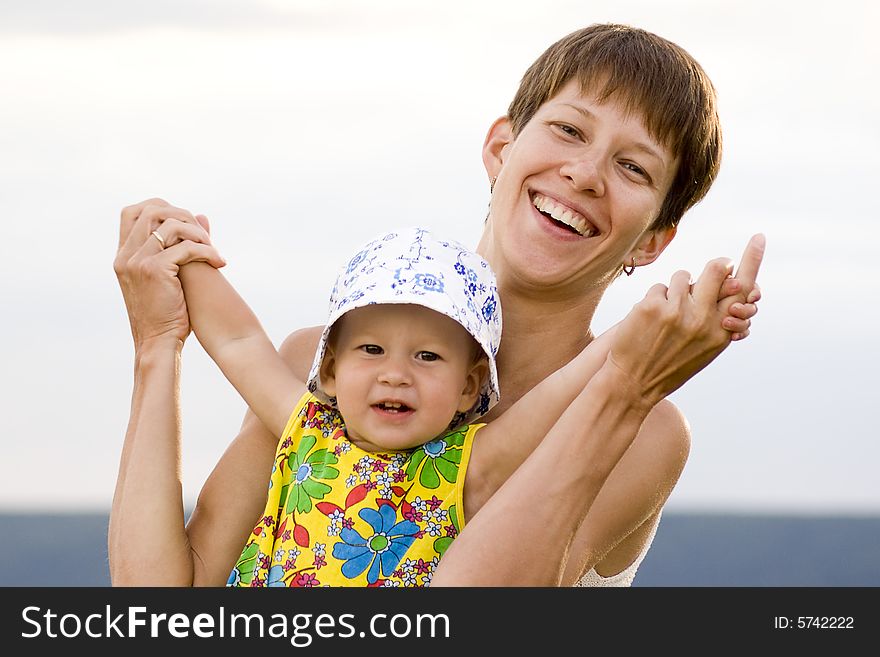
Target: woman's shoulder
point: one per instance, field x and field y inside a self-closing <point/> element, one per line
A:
<point x="298" y="349"/>
<point x="665" y="438"/>
<point x="668" y="416"/>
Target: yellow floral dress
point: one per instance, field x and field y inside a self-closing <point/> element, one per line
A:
<point x="337" y="515"/>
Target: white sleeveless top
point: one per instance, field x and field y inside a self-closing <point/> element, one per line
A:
<point x="627" y="575"/>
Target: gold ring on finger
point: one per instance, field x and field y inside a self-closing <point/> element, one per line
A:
<point x="159" y="237"/>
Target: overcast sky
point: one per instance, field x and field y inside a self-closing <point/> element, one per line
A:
<point x="303" y="128"/>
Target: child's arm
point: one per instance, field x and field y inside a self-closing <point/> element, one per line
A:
<point x="233" y="337"/>
<point x="505" y="442"/>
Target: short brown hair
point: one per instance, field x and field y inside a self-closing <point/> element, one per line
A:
<point x="646" y="73"/>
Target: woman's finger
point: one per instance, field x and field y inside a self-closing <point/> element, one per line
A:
<point x="129" y="216"/>
<point x="679" y="286"/>
<point x="729" y="287"/>
<point x="149" y="219"/>
<point x="171" y="231"/>
<point x="188" y="251"/>
<point x="656" y="292"/>
<point x="204" y="223"/>
<point x="708" y="286"/>
<point x="153" y="215"/>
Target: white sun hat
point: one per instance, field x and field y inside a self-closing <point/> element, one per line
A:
<point x="411" y="265"/>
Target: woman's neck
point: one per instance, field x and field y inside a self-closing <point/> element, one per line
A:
<point x="538" y="338"/>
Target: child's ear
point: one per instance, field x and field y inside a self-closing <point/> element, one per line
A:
<point x="478" y="373"/>
<point x="327" y="372"/>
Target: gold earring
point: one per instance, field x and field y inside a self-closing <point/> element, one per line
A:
<point x="629" y="270"/>
<point x="492" y="184"/>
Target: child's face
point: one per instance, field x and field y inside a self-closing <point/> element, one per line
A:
<point x="399" y="373"/>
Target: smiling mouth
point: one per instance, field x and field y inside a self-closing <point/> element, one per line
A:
<point x="392" y="407"/>
<point x="563" y="216"/>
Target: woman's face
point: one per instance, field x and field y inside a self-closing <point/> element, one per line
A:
<point x="574" y="195"/>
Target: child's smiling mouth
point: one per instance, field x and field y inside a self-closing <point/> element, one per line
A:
<point x="392" y="407"/>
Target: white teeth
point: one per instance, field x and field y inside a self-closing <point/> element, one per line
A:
<point x="564" y="215"/>
<point x="392" y="404"/>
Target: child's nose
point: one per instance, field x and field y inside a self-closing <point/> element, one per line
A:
<point x="395" y="372"/>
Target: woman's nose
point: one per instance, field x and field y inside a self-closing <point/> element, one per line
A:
<point x="585" y="173"/>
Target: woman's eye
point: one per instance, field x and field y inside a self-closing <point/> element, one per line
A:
<point x="428" y="356"/>
<point x="372" y="349"/>
<point x="636" y="169"/>
<point x="568" y="130"/>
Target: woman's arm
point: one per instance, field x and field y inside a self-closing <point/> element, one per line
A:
<point x="509" y="439"/>
<point x="522" y="535"/>
<point x="535" y="515"/>
<point x="617" y="526"/>
<point x="619" y="523"/>
<point x="146" y="541"/>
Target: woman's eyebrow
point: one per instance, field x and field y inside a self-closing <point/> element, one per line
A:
<point x="648" y="150"/>
<point x="587" y="114"/>
<point x="640" y="146"/>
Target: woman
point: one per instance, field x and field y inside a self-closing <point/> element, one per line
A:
<point x="611" y="137"/>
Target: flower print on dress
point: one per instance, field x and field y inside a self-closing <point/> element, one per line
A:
<point x="437" y="458"/>
<point x="308" y="469"/>
<point x="417" y="572"/>
<point x="380" y="552"/>
<point x="423" y="521"/>
<point x="319" y="416"/>
<point x="451" y="531"/>
<point x="432" y="566"/>
<point x="305" y="580"/>
<point x="243" y="572"/>
<point x="275" y="577"/>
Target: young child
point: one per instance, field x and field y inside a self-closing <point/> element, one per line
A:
<point x="366" y="488"/>
<point x="369" y="482"/>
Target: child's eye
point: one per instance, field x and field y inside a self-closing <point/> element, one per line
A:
<point x="372" y="349"/>
<point x="429" y="356"/>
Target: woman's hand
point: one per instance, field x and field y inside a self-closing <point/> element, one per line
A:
<point x="147" y="265"/>
<point x="676" y="331"/>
